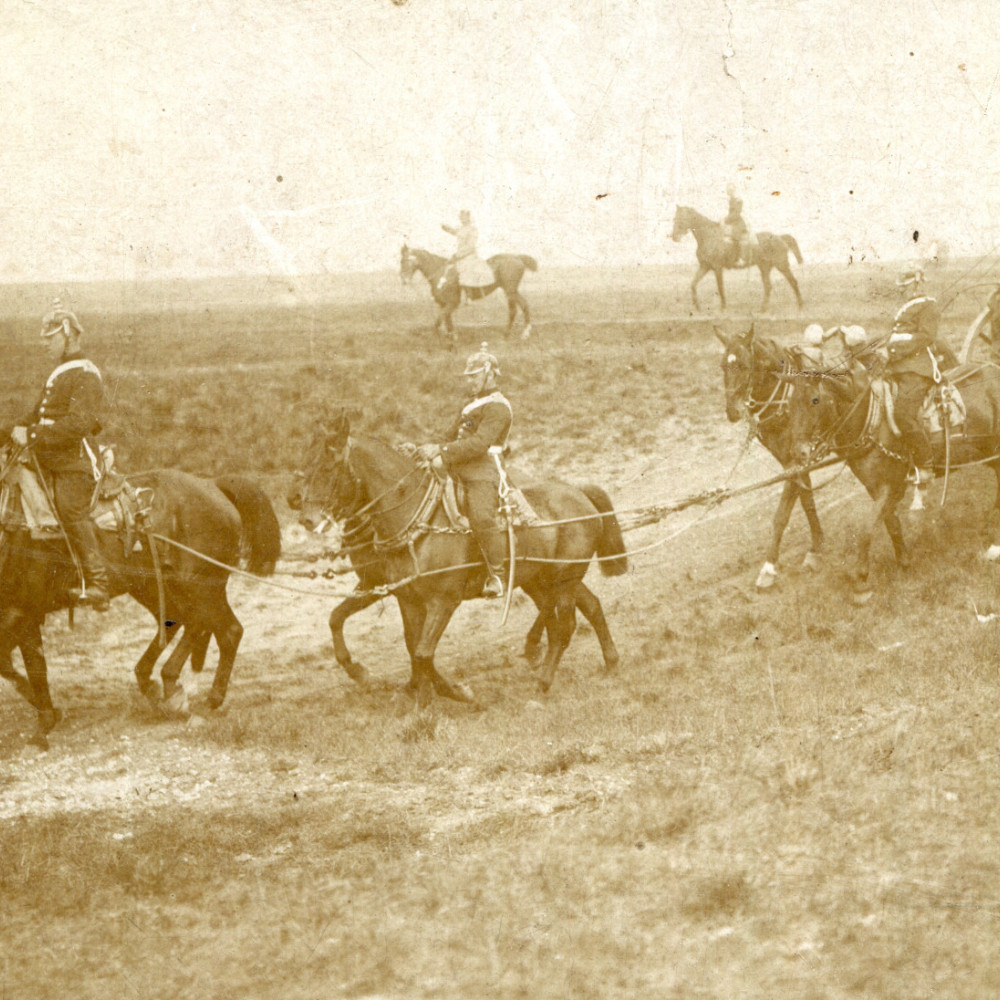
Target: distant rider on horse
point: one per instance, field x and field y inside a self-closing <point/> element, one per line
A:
<point x="917" y="357"/>
<point x="466" y="267"/>
<point x="58" y="432"/>
<point x="484" y="423"/>
<point x="737" y="230"/>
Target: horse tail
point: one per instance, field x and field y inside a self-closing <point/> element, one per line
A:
<point x="261" y="530"/>
<point x="529" y="262"/>
<point x="792" y="245"/>
<point x="611" y="545"/>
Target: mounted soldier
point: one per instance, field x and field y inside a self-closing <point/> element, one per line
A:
<point x="737" y="230"/>
<point x="466" y="266"/>
<point x="917" y="358"/>
<point x="483" y="424"/>
<point x="59" y="431"/>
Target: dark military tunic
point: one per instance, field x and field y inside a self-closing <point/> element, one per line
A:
<point x="483" y="423"/>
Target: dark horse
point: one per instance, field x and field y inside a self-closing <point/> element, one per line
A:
<point x="716" y="252"/>
<point x="751" y="370"/>
<point x="834" y="412"/>
<point x="191" y="521"/>
<point x="508" y="270"/>
<point x="431" y="573"/>
<point x="368" y="563"/>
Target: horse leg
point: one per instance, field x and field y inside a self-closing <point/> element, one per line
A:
<point x="413" y="614"/>
<point x="523" y="303"/>
<point x="349" y="606"/>
<point x="765" y="277"/>
<point x="591" y="609"/>
<point x="511" y="313"/>
<point x="171" y="669"/>
<point x="884" y="513"/>
<point x="702" y="271"/>
<point x="228" y="632"/>
<point x="720" y="286"/>
<point x="792" y="491"/>
<point x="30" y="644"/>
<point x="144" y="667"/>
<point x="808" y="501"/>
<point x="790" y="278"/>
<point x="440" y="608"/>
<point x="992" y="553"/>
<point x="565" y="614"/>
<point x="34" y="688"/>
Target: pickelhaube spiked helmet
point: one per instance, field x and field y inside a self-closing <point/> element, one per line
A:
<point x="54" y="319"/>
<point x="482" y="361"/>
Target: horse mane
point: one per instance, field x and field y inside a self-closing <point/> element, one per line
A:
<point x="400" y="464"/>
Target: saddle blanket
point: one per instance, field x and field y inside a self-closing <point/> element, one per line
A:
<point x="942" y="406"/>
<point x="447" y="493"/>
<point x="24" y="504"/>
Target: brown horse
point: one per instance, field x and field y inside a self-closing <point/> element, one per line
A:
<point x="751" y="370"/>
<point x="508" y="270"/>
<point x="198" y="527"/>
<point x="368" y="564"/>
<point x="432" y="572"/>
<point x="834" y="413"/>
<point x="716" y="252"/>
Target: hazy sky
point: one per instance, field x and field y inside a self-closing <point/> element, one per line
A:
<point x="143" y="137"/>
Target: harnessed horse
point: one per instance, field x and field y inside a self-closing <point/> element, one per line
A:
<point x="204" y="518"/>
<point x="431" y="569"/>
<point x="751" y="367"/>
<point x="716" y="253"/>
<point x="508" y="270"/>
<point x="836" y="413"/>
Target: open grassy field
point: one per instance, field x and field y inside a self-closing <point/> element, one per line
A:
<point x="778" y="795"/>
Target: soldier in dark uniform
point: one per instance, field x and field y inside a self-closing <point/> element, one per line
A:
<point x="917" y="356"/>
<point x="484" y="423"/>
<point x="737" y="228"/>
<point x="57" y="431"/>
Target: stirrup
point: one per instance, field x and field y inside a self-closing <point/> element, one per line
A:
<point x="94" y="597"/>
<point x="492" y="587"/>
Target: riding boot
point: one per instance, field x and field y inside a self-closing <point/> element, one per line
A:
<point x="493" y="545"/>
<point x="83" y="537"/>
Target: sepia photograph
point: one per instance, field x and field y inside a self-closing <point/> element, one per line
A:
<point x="499" y="499"/>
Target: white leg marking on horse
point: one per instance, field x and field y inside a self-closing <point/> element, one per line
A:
<point x="767" y="576"/>
<point x="812" y="561"/>
<point x="526" y="332"/>
<point x="992" y="554"/>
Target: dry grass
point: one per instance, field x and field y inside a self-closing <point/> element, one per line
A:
<point x="779" y="795"/>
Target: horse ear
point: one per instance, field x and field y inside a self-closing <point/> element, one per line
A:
<point x="749" y="335"/>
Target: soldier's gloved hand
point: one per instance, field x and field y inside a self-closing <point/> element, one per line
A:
<point x="437" y="463"/>
<point x="407" y="448"/>
<point x="19" y="435"/>
<point x="428" y="452"/>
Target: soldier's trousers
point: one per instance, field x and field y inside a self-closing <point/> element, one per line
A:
<point x="482" y="505"/>
<point x="72" y="492"/>
<point x="910" y="393"/>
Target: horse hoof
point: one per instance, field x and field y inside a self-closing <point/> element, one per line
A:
<point x="767" y="577"/>
<point x="812" y="562"/>
<point x="992" y="554"/>
<point x="463" y="692"/>
<point x="861" y="597"/>
<point x="150" y="690"/>
<point x="533" y="655"/>
<point x="526" y="332"/>
<point x="176" y="704"/>
<point x="47" y="721"/>
<point x="214" y="700"/>
<point x="356" y="672"/>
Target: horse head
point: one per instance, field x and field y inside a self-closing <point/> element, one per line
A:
<point x="327" y="491"/>
<point x="738" y="364"/>
<point x="407" y="264"/>
<point x="682" y="223"/>
<point x="817" y="407"/>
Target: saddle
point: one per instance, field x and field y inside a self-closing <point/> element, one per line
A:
<point x="943" y="406"/>
<point x="25" y="504"/>
<point x="447" y="492"/>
